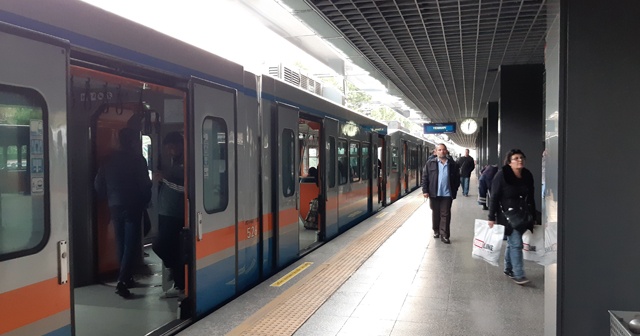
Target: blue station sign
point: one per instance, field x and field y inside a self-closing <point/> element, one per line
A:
<point x="439" y="128"/>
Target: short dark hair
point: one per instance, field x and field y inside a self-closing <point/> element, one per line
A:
<point x="173" y="138"/>
<point x="507" y="159"/>
<point x="127" y="137"/>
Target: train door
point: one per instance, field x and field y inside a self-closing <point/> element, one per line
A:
<point x="330" y="185"/>
<point x="212" y="198"/>
<point x="387" y="169"/>
<point x="375" y="174"/>
<point x="406" y="167"/>
<point x="35" y="294"/>
<point x="102" y="104"/>
<point x="309" y="187"/>
<point x="378" y="172"/>
<point x="286" y="184"/>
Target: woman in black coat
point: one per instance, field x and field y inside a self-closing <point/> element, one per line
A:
<point x="512" y="186"/>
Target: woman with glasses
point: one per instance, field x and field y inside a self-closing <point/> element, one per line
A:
<point x="513" y="188"/>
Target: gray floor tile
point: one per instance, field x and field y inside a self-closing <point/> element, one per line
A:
<point x="404" y="328"/>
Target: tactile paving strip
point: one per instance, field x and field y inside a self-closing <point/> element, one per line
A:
<point x="285" y="314"/>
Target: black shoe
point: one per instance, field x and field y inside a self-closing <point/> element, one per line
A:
<point x="521" y="281"/>
<point x="509" y="274"/>
<point x="121" y="289"/>
<point x="131" y="283"/>
<point x="445" y="240"/>
<point x="436" y="235"/>
<point x="485" y="208"/>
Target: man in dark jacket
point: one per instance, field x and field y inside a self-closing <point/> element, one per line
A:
<point x="484" y="185"/>
<point x="466" y="165"/>
<point x="440" y="183"/>
<point x="171" y="213"/>
<point x="124" y="180"/>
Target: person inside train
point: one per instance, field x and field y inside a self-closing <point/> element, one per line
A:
<point x="342" y="170"/>
<point x="312" y="176"/>
<point x="124" y="181"/>
<point x="171" y="213"/>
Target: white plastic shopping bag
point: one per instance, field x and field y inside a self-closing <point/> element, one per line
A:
<point x="533" y="244"/>
<point x="487" y="242"/>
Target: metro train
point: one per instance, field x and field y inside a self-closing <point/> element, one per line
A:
<point x="72" y="76"/>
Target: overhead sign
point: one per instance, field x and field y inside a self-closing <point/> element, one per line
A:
<point x="439" y="128"/>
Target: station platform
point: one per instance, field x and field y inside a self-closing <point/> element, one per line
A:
<point x="389" y="276"/>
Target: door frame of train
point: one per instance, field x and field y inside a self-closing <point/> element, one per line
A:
<point x="377" y="173"/>
<point x="386" y="163"/>
<point x="330" y="128"/>
<point x="286" y="208"/>
<point x="38" y="277"/>
<point x="210" y="233"/>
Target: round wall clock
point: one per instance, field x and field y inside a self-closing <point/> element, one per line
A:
<point x="468" y="126"/>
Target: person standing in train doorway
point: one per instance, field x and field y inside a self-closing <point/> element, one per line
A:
<point x="124" y="181"/>
<point x="440" y="183"/>
<point x="171" y="213"/>
<point x="466" y="165"/>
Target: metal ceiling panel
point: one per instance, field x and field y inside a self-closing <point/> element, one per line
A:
<point x="443" y="55"/>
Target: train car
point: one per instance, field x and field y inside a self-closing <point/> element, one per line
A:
<point x="251" y="205"/>
<point x="408" y="154"/>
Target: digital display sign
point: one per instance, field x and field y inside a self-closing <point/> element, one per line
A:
<point x="439" y="128"/>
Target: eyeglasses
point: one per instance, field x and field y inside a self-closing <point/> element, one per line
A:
<point x="517" y="158"/>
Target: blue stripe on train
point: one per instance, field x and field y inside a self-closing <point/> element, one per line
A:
<point x="215" y="284"/>
<point x="64" y="331"/>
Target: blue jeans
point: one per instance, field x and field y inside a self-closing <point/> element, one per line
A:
<point x="128" y="230"/>
<point x="513" y="255"/>
<point x="464" y="181"/>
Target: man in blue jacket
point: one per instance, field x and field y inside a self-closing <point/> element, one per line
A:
<point x="440" y="183"/>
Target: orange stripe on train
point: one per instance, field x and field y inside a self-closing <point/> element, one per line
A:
<point x="219" y="240"/>
<point x="31" y="303"/>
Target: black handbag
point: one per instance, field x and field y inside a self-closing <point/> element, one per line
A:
<point x="519" y="218"/>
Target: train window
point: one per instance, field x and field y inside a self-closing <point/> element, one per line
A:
<point x="366" y="158"/>
<point x="288" y="163"/>
<point x="215" y="174"/>
<point x="24" y="228"/>
<point x="343" y="164"/>
<point x="147" y="153"/>
<point x="354" y="161"/>
<point x="394" y="159"/>
<point x="331" y="173"/>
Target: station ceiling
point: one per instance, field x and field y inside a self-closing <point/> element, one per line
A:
<point x="442" y="55"/>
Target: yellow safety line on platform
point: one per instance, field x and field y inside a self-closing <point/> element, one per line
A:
<point x="291" y="274"/>
<point x="287" y="312"/>
<point x="382" y="214"/>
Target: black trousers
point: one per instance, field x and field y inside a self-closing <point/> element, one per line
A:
<point x="167" y="247"/>
<point x="441" y="215"/>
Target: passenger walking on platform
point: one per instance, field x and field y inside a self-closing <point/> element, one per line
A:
<point x="512" y="185"/>
<point x="433" y="154"/>
<point x="467" y="165"/>
<point x="440" y="183"/>
<point x="484" y="184"/>
<point x="171" y="213"/>
<point x="124" y="180"/>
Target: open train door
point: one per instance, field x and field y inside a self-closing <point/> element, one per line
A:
<point x="376" y="174"/>
<point x="212" y="192"/>
<point x="286" y="186"/>
<point x="35" y="296"/>
<point x="386" y="171"/>
<point x="330" y="171"/>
